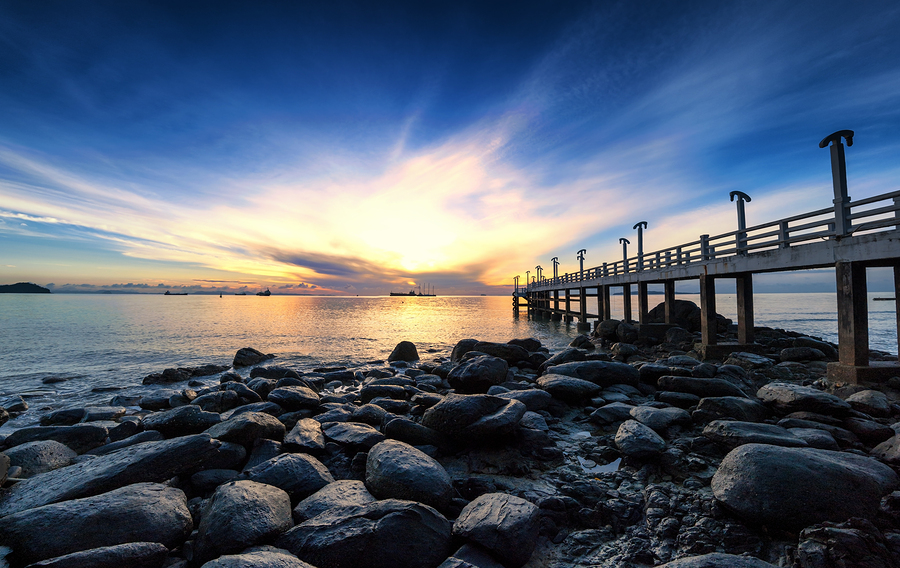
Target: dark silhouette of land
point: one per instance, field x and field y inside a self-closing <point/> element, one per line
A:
<point x="23" y="288"/>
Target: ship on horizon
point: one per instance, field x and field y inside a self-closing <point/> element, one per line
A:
<point x="418" y="294"/>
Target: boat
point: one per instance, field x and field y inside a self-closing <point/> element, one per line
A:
<point x="175" y="293"/>
<point x="266" y="293"/>
<point x="885" y="299"/>
<point x="414" y="294"/>
<point x="240" y="293"/>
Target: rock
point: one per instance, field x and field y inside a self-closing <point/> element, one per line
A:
<point x="372" y="391"/>
<point x="733" y="433"/>
<point x="603" y="373"/>
<point x="149" y="461"/>
<point x="404" y="351"/>
<point x="294" y="398"/>
<point x="412" y="433"/>
<point x="529" y="344"/>
<point x="341" y="493"/>
<point x="477" y="418"/>
<point x="241" y="514"/>
<point x="816" y="438"/>
<point x="749" y="361"/>
<point x="533" y="399"/>
<point x="4" y="468"/>
<point x="477" y="375"/>
<point x="181" y="421"/>
<point x="792" y="488"/>
<point x="627" y="333"/>
<point x="871" y="402"/>
<point x="384" y="534"/>
<point x="801" y="354"/>
<point x="461" y="348"/>
<point x="148" y="436"/>
<point x="505" y="525"/>
<point x="245" y="428"/>
<point x="856" y="543"/>
<point x="395" y="470"/>
<point x="660" y="419"/>
<point x="568" y="389"/>
<point x="612" y="413"/>
<point x="246" y="394"/>
<point x="258" y="557"/>
<point x="788" y="397"/>
<point x="217" y="402"/>
<point x="734" y="407"/>
<point x="168" y="376"/>
<point x="510" y="353"/>
<point x="39" y="457"/>
<point x="717" y="560"/>
<point x="582" y="342"/>
<point x="679" y="336"/>
<point x="306" y="436"/>
<point x="79" y="438"/>
<point x="300" y="475"/>
<point x="130" y="555"/>
<point x="352" y="434"/>
<point x="143" y="512"/>
<point x="565" y="356"/>
<point x="248" y="356"/>
<point x="685" y="314"/>
<point x="63" y="417"/>
<point x="888" y="451"/>
<point x="830" y="352"/>
<point x="869" y="431"/>
<point x="638" y="441"/>
<point x="207" y="480"/>
<point x="698" y="386"/>
<point x="471" y="556"/>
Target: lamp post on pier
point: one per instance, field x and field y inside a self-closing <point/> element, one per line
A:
<point x="839" y="179"/>
<point x="517" y="285"/>
<point x="581" y="263"/>
<point x="640" y="226"/>
<point x="555" y="261"/>
<point x="625" y="242"/>
<point x="741" y="240"/>
<point x="538" y="271"/>
<point x="527" y="274"/>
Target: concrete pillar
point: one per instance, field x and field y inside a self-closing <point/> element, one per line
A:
<point x="607" y="304"/>
<point x="708" y="309"/>
<point x="643" y="308"/>
<point x="555" y="301"/>
<point x="853" y="313"/>
<point x="896" y="308"/>
<point x="600" y="314"/>
<point x="626" y="301"/>
<point x="744" y="288"/>
<point x="583" y="324"/>
<point x="669" y="299"/>
<point x="568" y="316"/>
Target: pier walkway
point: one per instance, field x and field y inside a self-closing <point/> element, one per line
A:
<point x="849" y="236"/>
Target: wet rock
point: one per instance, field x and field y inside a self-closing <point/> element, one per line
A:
<point x="272" y="373"/>
<point x="660" y="419"/>
<point x="505" y="525"/>
<point x="638" y="441"/>
<point x="565" y="356"/>
<point x="258" y="557"/>
<point x="352" y="434"/>
<point x="245" y="428"/>
<point x="510" y="353"/>
<point x="208" y="480"/>
<point x="370" y="414"/>
<point x="305" y="436"/>
<point x="294" y="398"/>
<point x="475" y="418"/>
<point x="148" y="436"/>
<point x="143" y="512"/>
<point x="395" y="470"/>
<point x="603" y="373"/>
<point x="384" y="534"/>
<point x="816" y="438"/>
<point x="856" y="543"/>
<point x="249" y="356"/>
<point x="478" y="374"/>
<point x="412" y="433"/>
<point x="788" y="397"/>
<point x="130" y="555"/>
<point x="181" y="421"/>
<point x="830" y="352"/>
<point x="801" y="354"/>
<point x="529" y="344"/>
<point x="749" y="361"/>
<point x="568" y="389"/>
<point x="149" y="461"/>
<point x="471" y="556"/>
<point x="341" y="493"/>
<point x="718" y="560"/>
<point x="217" y="402"/>
<point x="373" y="391"/>
<point x="612" y="413"/>
<point x="241" y="514"/>
<point x="869" y="431"/>
<point x="733" y="407"/>
<point x="404" y="351"/>
<point x="63" y="417"/>
<point x="792" y="488"/>
<point x="39" y="457"/>
<point x="733" y="433"/>
<point x="699" y="386"/>
<point x="300" y="475"/>
<point x="871" y="402"/>
<point x="246" y="394"/>
<point x="461" y="348"/>
<point x="533" y="399"/>
<point x="79" y="438"/>
<point x="888" y="451"/>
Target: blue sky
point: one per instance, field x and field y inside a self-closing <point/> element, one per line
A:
<point x="363" y="147"/>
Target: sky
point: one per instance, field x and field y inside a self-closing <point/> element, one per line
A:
<point x="361" y="148"/>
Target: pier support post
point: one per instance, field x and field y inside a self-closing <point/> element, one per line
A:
<point x="568" y="316"/>
<point x="853" y="314"/>
<point x="896" y="304"/>
<point x="607" y="304"/>
<point x="669" y="299"/>
<point x="583" y="324"/>
<point x="643" y="310"/>
<point x="626" y="301"/>
<point x="555" y="301"/>
<point x="708" y="309"/>
<point x="744" y="289"/>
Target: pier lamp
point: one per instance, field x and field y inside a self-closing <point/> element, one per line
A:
<point x="640" y="226"/>
<point x="538" y="270"/>
<point x="555" y="261"/>
<point x="742" y="220"/>
<point x="625" y="242"/>
<point x="527" y="280"/>
<point x="581" y="262"/>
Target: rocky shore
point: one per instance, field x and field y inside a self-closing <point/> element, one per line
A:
<point x="620" y="451"/>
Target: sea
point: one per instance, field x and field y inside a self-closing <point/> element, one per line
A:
<point x="59" y="350"/>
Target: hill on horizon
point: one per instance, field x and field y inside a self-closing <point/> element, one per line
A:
<point x="23" y="288"/>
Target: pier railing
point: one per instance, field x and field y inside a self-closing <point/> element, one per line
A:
<point x="864" y="216"/>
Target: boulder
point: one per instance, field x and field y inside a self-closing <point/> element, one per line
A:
<point x="829" y="350"/>
<point x="39" y="457"/>
<point x="509" y="352"/>
<point x="249" y="356"/>
<point x="801" y="354"/>
<point x="373" y="391"/>
<point x="612" y="413"/>
<point x="478" y="374"/>
<point x="471" y="556"/>
<point x="685" y="314"/>
<point x="352" y="434"/>
<point x="149" y="461"/>
<point x="792" y="488"/>
<point x="462" y="347"/>
<point x="404" y="351"/>
<point x="871" y="402"/>
<point x="529" y="344"/>
<point x="79" y="438"/>
<point x="660" y="419"/>
<point x="143" y="512"/>
<point x="341" y="493"/>
<point x="638" y="441"/>
<point x="505" y="525"/>
<point x="148" y="436"/>
<point x="300" y="475"/>
<point x="788" y="397"/>
<point x="565" y="356"/>
<point x="733" y="433"/>
<point x="294" y="398"/>
<point x="603" y="373"/>
<point x="306" y="436"/>
<point x="241" y="514"/>
<point x="477" y="418"/>
<point x="396" y="470"/>
<point x="533" y="399"/>
<point x="718" y="560"/>
<point x="699" y="386"/>
<point x="208" y="479"/>
<point x="181" y="421"/>
<point x="412" y="433"/>
<point x="568" y="389"/>
<point x="383" y="534"/>
<point x="258" y="557"/>
<point x="246" y="427"/>
<point x="129" y="555"/>
<point x="734" y="407"/>
<point x="888" y="451"/>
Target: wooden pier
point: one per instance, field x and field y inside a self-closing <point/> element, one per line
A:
<point x="849" y="236"/>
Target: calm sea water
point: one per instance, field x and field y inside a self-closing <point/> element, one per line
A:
<point x="104" y="342"/>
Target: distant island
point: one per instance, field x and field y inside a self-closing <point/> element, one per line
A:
<point x="23" y="288"/>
